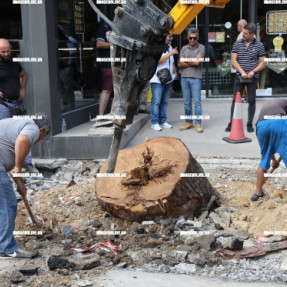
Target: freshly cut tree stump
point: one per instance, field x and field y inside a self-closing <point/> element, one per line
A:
<point x="154" y="185"/>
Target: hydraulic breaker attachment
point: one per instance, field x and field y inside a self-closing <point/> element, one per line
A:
<point x="137" y="37"/>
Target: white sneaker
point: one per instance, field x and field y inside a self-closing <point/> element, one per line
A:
<point x="156" y="127"/>
<point x="166" y="126"/>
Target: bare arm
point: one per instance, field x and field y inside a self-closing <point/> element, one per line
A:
<point x="21" y="188"/>
<point x="186" y="64"/>
<point x="103" y="45"/>
<point x="236" y="65"/>
<point x="22" y="146"/>
<point x="23" y="84"/>
<point x="167" y="56"/>
<point x="260" y="67"/>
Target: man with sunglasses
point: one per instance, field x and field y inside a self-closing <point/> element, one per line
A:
<point x="191" y="57"/>
<point x="16" y="138"/>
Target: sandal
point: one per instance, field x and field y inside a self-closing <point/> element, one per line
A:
<point x="255" y="196"/>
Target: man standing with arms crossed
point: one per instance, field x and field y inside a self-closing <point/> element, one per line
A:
<point x="191" y="78"/>
<point x="248" y="59"/>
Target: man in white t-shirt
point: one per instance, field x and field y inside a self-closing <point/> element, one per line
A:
<point x="160" y="92"/>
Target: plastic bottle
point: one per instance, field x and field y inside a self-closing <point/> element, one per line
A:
<point x="64" y="126"/>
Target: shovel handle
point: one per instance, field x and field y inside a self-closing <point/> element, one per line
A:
<point x="20" y="184"/>
<point x="29" y="209"/>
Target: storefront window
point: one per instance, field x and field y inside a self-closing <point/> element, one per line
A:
<point x="272" y="23"/>
<point x="79" y="78"/>
<point x="10" y="20"/>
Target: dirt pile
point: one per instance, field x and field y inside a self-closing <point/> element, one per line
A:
<point x="182" y="245"/>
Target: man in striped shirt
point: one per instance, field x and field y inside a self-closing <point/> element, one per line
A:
<point x="248" y="59"/>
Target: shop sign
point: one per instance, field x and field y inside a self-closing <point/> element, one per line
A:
<point x="264" y="92"/>
<point x="211" y="37"/>
<point x="79" y="18"/>
<point x="276" y="22"/>
<point x="220" y="37"/>
<point x="203" y="93"/>
<point x="278" y="42"/>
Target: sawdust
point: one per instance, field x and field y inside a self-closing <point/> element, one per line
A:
<point x="255" y="217"/>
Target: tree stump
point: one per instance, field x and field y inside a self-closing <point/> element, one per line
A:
<point x="162" y="180"/>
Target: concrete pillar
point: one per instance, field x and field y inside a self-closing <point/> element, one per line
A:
<point x="39" y="40"/>
<point x="252" y="11"/>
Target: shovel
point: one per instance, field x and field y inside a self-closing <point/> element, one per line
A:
<point x="29" y="210"/>
<point x="20" y="186"/>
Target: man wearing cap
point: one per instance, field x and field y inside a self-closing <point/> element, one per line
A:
<point x="271" y="132"/>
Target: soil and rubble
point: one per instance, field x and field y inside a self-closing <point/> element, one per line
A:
<point x="172" y="245"/>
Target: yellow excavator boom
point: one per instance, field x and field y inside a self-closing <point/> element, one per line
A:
<point x="184" y="12"/>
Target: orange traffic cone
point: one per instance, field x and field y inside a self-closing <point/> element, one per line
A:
<point x="237" y="133"/>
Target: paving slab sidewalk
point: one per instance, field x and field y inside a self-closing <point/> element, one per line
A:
<point x="142" y="279"/>
<point x="209" y="143"/>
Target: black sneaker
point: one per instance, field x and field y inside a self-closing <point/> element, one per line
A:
<point x="18" y="254"/>
<point x="228" y="129"/>
<point x="255" y="196"/>
<point x="250" y="129"/>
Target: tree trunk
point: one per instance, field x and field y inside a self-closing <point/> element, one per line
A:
<point x="162" y="180"/>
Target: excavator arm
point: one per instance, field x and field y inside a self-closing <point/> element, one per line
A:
<point x="184" y="14"/>
<point x="138" y="35"/>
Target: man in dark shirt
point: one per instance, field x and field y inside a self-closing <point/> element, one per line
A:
<point x="13" y="81"/>
<point x="103" y="48"/>
<point x="67" y="51"/>
<point x="271" y="132"/>
<point x="248" y="59"/>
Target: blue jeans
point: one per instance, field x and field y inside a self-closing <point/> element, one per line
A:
<point x="8" y="211"/>
<point x="160" y="95"/>
<point x="5" y="112"/>
<point x="191" y="90"/>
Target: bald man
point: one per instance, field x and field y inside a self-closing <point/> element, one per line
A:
<point x="13" y="82"/>
<point x="240" y="26"/>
